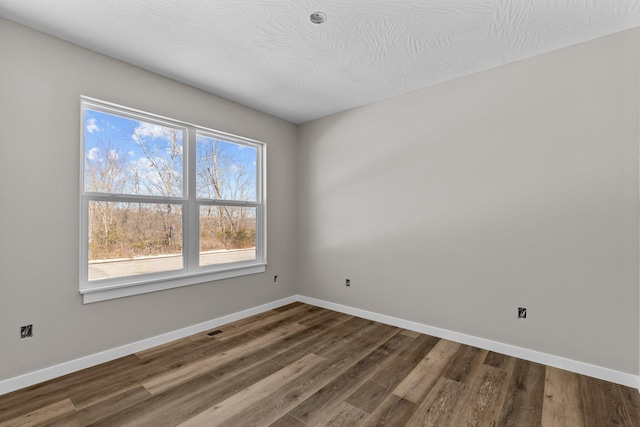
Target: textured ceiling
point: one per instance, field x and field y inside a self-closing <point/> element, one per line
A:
<point x="268" y="55"/>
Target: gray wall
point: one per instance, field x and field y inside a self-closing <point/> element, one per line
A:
<point x="453" y="205"/>
<point x="41" y="80"/>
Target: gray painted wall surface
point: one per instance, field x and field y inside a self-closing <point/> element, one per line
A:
<point x="454" y="205"/>
<point x="41" y="80"/>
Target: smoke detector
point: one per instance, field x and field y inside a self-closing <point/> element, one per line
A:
<point x="318" y="17"/>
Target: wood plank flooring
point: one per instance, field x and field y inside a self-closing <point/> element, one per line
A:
<point x="301" y="365"/>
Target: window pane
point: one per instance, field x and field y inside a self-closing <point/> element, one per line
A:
<point x="127" y="156"/>
<point x="128" y="239"/>
<point x="225" y="170"/>
<point x="227" y="234"/>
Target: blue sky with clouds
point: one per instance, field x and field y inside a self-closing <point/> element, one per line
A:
<point x="140" y="155"/>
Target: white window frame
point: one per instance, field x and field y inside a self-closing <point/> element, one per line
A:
<point x="191" y="273"/>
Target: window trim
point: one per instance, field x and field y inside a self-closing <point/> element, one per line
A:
<point x="191" y="273"/>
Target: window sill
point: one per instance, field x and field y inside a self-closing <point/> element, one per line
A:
<point x="104" y="293"/>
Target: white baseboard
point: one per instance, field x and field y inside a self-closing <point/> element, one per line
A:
<point x="46" y="374"/>
<point x="594" y="371"/>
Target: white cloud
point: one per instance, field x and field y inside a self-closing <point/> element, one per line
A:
<point x="149" y="130"/>
<point x="93" y="153"/>
<point x="149" y="178"/>
<point x="141" y="164"/>
<point x="92" y="126"/>
<point x="142" y="168"/>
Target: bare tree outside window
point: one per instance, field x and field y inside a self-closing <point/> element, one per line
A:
<point x="225" y="171"/>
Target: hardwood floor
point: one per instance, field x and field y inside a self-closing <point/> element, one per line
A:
<point x="301" y="365"/>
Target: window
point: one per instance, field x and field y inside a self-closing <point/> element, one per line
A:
<point x="165" y="203"/>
